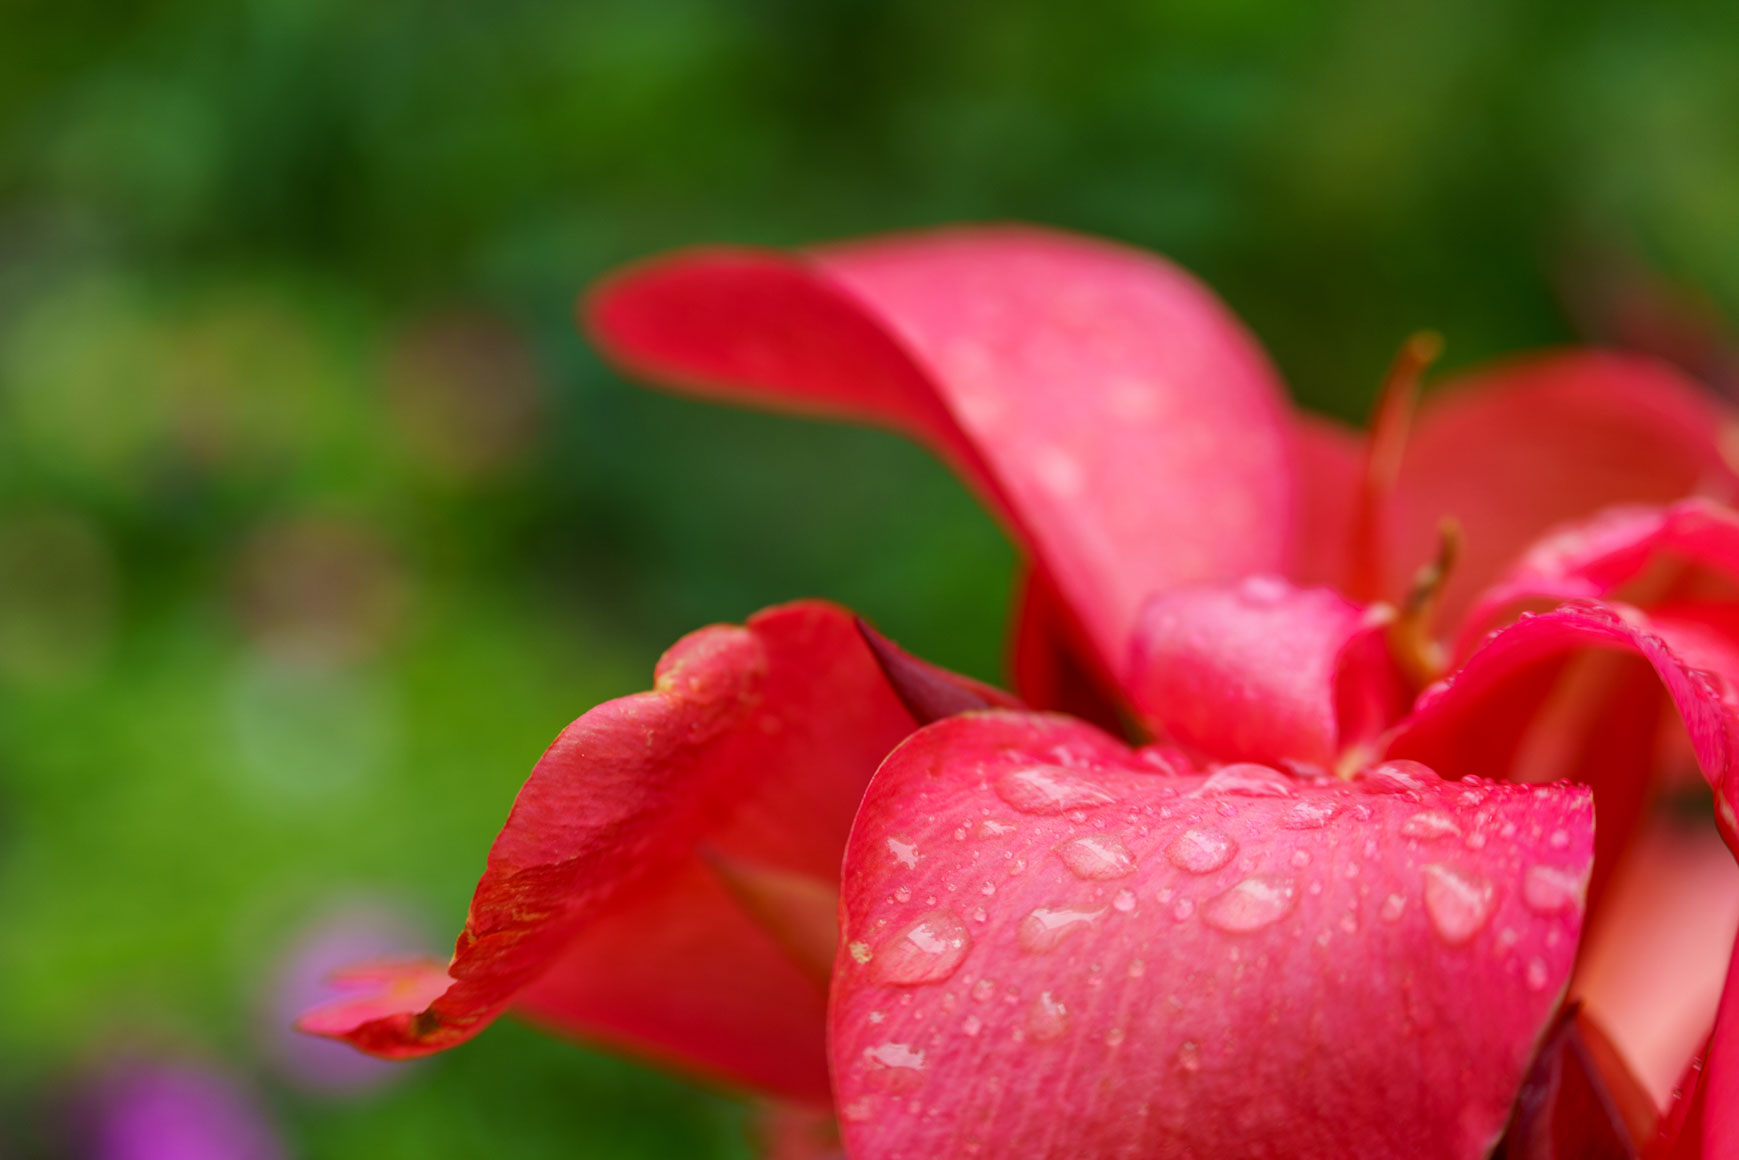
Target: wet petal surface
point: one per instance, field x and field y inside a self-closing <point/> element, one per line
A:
<point x="1268" y="958"/>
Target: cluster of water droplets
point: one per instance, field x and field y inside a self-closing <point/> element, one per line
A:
<point x="1454" y="893"/>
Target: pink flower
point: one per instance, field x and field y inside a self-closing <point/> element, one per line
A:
<point x="1326" y="914"/>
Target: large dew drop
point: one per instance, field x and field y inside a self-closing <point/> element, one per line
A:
<point x="927" y="951"/>
<point x="1046" y="926"/>
<point x="1458" y="902"/>
<point x="1097" y="857"/>
<point x="1247" y="779"/>
<point x="1251" y="905"/>
<point x="1310" y="815"/>
<point x="1049" y="790"/>
<point x="1201" y="851"/>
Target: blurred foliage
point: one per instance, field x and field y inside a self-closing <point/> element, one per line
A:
<point x="317" y="519"/>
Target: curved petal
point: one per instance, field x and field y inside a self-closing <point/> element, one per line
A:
<point x="1107" y="404"/>
<point x="1596" y="557"/>
<point x="1519" y="447"/>
<point x="627" y="899"/>
<point x="1264" y="671"/>
<point x="1474" y="721"/>
<point x="1056" y="950"/>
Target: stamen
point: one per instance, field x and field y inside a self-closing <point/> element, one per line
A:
<point x="1390" y="421"/>
<point x="1411" y="641"/>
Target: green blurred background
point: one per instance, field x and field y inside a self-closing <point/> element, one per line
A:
<point x="318" y="520"/>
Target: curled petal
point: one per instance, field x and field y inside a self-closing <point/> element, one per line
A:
<point x="1053" y="949"/>
<point x="1520" y="447"/>
<point x="1263" y="671"/>
<point x="1593" y="559"/>
<point x="1475" y="721"/>
<point x="1104" y="402"/>
<point x="656" y="882"/>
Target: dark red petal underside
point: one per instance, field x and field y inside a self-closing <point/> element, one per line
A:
<point x="929" y="691"/>
<point x="1053" y="948"/>
<point x="623" y="899"/>
<point x="1052" y="668"/>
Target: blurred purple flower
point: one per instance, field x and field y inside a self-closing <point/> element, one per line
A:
<point x="177" y="1112"/>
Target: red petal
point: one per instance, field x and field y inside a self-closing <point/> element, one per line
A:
<point x="602" y="910"/>
<point x="1056" y="950"/>
<point x="1655" y="955"/>
<point x="1331" y="470"/>
<point x="1263" y="671"/>
<point x="797" y="1132"/>
<point x="1104" y="401"/>
<point x="1474" y="721"/>
<point x="1704" y="1120"/>
<point x="1052" y="668"/>
<point x="1596" y="557"/>
<point x="1520" y="447"/>
<point x="1579" y="1101"/>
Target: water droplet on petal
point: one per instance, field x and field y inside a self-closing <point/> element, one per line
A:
<point x="1430" y="826"/>
<point x="1549" y="890"/>
<point x="1047" y="1020"/>
<point x="896" y="1067"/>
<point x="927" y="951"/>
<point x="983" y="990"/>
<point x="1300" y="859"/>
<point x="972" y="1025"/>
<point x="991" y="828"/>
<point x="1251" y="905"/>
<point x="858" y="1111"/>
<point x="1124" y="902"/>
<point x="1183" y="909"/>
<point x="1046" y="926"/>
<point x="1537" y="976"/>
<point x="1201" y="851"/>
<point x="1559" y="840"/>
<point x="1392" y="908"/>
<point x="905" y="853"/>
<point x="1049" y="790"/>
<point x="1247" y="779"/>
<point x="1397" y="777"/>
<point x="1310" y="814"/>
<point x="1097" y="857"/>
<point x="1458" y="902"/>
<point x="1263" y="591"/>
<point x="1189" y="1058"/>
